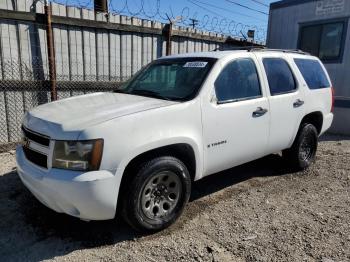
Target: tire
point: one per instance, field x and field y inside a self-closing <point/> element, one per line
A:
<point x="303" y="151"/>
<point x="157" y="194"/>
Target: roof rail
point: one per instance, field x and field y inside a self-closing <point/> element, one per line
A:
<point x="262" y="49"/>
<point x="294" y="51"/>
<point x="233" y="48"/>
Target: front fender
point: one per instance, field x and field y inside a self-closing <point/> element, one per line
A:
<point x="129" y="136"/>
<point x="158" y="144"/>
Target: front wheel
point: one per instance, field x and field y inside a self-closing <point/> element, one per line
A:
<point x="303" y="151"/>
<point x="157" y="194"/>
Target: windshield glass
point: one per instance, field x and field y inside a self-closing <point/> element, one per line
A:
<point x="172" y="79"/>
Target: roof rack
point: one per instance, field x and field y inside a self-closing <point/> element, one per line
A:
<point x="262" y="49"/>
<point x="294" y="51"/>
<point x="248" y="48"/>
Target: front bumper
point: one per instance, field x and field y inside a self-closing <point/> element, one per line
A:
<point x="90" y="195"/>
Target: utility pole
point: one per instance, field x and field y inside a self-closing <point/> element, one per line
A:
<point x="101" y="6"/>
<point x="194" y="22"/>
<point x="51" y="51"/>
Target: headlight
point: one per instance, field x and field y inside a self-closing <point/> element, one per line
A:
<point x="78" y="155"/>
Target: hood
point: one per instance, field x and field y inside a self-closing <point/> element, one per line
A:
<point x="65" y="119"/>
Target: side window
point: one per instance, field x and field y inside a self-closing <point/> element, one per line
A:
<point x="279" y="76"/>
<point x="313" y="73"/>
<point x="237" y="81"/>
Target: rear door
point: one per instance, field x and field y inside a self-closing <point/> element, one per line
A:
<point x="318" y="93"/>
<point x="286" y="99"/>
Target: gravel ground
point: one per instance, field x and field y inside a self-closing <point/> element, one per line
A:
<point x="260" y="211"/>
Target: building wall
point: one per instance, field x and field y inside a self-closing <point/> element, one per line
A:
<point x="283" y="32"/>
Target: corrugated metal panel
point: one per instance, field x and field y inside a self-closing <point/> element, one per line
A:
<point x="61" y="52"/>
<point x="89" y="54"/>
<point x="114" y="56"/>
<point x="102" y="55"/>
<point x="7" y="4"/>
<point x="9" y="43"/>
<point x="136" y="53"/>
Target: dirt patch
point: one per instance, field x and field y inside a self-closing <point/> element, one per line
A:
<point x="260" y="211"/>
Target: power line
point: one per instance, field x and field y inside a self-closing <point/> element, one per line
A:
<point x="206" y="9"/>
<point x="217" y="14"/>
<point x="229" y="11"/>
<point x="260" y="3"/>
<point x="247" y="7"/>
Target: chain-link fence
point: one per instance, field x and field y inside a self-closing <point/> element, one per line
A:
<point x="24" y="73"/>
<point x="86" y="60"/>
<point x="19" y="94"/>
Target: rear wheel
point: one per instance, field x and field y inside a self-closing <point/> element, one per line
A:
<point x="157" y="194"/>
<point x="303" y="151"/>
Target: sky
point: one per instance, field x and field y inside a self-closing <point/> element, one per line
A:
<point x="232" y="17"/>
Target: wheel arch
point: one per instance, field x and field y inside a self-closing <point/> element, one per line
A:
<point x="315" y="118"/>
<point x="183" y="151"/>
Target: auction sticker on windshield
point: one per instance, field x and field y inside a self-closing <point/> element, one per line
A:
<point x="196" y="64"/>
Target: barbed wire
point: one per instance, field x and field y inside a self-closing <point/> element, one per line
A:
<point x="211" y="21"/>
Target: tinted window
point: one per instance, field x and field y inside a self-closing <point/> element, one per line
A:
<point x="238" y="80"/>
<point x="322" y="40"/>
<point x="280" y="77"/>
<point x="313" y="73"/>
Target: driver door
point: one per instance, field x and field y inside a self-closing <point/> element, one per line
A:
<point x="236" y="123"/>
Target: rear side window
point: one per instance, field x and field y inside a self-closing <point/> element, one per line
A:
<point x="279" y="76"/>
<point x="238" y="81"/>
<point x="313" y="73"/>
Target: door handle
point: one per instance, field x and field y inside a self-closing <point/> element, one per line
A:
<point x="259" y="112"/>
<point x="298" y="103"/>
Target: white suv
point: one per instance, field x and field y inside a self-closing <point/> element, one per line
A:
<point x="178" y="120"/>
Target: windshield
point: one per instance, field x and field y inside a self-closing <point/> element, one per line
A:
<point x="171" y="79"/>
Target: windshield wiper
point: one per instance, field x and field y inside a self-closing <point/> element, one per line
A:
<point x="148" y="93"/>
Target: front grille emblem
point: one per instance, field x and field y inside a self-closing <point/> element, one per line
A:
<point x="25" y="142"/>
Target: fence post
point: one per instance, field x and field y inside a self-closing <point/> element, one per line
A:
<point x="170" y="31"/>
<point x="51" y="52"/>
<point x="167" y="32"/>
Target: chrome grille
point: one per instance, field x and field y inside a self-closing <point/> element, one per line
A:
<point x="38" y="138"/>
<point x="35" y="147"/>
